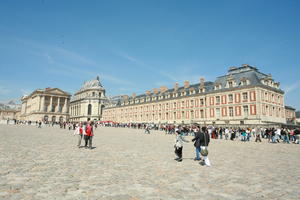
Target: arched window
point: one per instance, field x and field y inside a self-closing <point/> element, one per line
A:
<point x="89" y="109"/>
<point x="53" y="118"/>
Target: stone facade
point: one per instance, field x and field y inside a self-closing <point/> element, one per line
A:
<point x="87" y="104"/>
<point x="244" y="96"/>
<point x="49" y="105"/>
<point x="10" y="114"/>
<point x="290" y="114"/>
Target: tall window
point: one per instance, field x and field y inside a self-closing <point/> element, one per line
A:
<point x="201" y="102"/>
<point x="231" y="111"/>
<point x="89" y="109"/>
<point x="201" y="113"/>
<point x="182" y="104"/>
<point x="218" y="100"/>
<point x="192" y="114"/>
<point x="230" y="98"/>
<point x="246" y="111"/>
<point x="245" y="96"/>
<point x="217" y="112"/>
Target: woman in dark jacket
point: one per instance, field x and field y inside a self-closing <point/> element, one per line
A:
<point x="196" y="141"/>
<point x="204" y="142"/>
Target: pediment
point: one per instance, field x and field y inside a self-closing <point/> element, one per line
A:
<point x="56" y="91"/>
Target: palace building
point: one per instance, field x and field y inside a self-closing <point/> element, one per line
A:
<point x="244" y="96"/>
<point x="48" y="105"/>
<point x="87" y="103"/>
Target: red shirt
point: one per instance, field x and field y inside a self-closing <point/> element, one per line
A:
<point x="89" y="130"/>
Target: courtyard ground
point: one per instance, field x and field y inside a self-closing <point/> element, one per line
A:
<point x="128" y="164"/>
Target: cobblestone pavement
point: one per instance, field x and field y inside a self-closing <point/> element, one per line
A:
<point x="128" y="164"/>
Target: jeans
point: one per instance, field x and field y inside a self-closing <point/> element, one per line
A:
<point x="90" y="141"/>
<point x="198" y="150"/>
<point x="286" y="139"/>
<point x="79" y="139"/>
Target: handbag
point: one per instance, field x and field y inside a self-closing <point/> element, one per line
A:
<point x="204" y="150"/>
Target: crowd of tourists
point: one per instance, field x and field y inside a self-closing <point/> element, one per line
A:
<point x="244" y="134"/>
<point x="201" y="136"/>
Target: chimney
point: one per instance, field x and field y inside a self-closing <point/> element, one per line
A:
<point x="186" y="84"/>
<point x="133" y="95"/>
<point x="148" y="92"/>
<point x="202" y="80"/>
<point x="125" y="97"/>
<point x="176" y="86"/>
<point x="163" y="89"/>
<point x="155" y="90"/>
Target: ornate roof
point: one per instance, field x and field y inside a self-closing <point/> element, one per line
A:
<point x="92" y="84"/>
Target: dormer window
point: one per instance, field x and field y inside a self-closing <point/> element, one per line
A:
<point x="230" y="84"/>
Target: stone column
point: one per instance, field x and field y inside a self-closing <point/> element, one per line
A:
<point x="64" y="110"/>
<point x="58" y="104"/>
<point x="42" y="104"/>
<point x="50" y="104"/>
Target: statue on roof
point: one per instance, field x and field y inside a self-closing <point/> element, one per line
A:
<point x="92" y="83"/>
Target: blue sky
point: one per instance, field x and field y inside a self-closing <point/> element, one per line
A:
<point x="136" y="46"/>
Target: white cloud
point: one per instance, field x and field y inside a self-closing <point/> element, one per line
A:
<point x="26" y="91"/>
<point x="292" y="87"/>
<point x="115" y="79"/>
<point x="74" y="56"/>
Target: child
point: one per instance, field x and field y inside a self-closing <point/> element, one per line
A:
<point x="179" y="145"/>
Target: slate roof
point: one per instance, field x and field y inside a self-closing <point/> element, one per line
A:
<point x="298" y="114"/>
<point x="237" y="74"/>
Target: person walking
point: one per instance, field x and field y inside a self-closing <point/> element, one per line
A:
<point x="90" y="133"/>
<point x="78" y="131"/>
<point x="258" y="135"/>
<point x="204" y="142"/>
<point x="40" y="124"/>
<point x="179" y="144"/>
<point x="196" y="141"/>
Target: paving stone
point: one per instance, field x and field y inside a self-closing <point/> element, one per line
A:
<point x="127" y="164"/>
